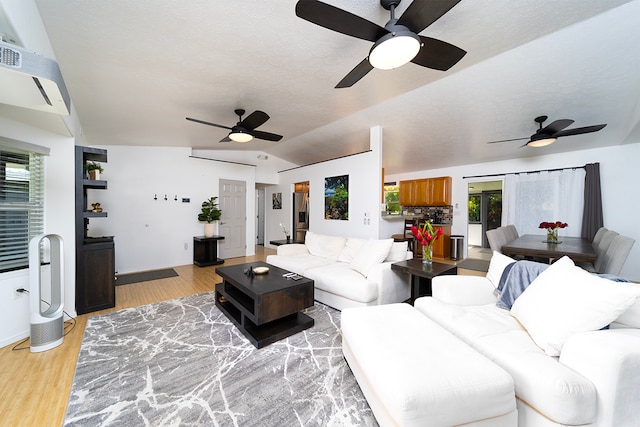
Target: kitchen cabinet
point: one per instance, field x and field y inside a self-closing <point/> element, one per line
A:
<point x="426" y="192"/>
<point x="442" y="246"/>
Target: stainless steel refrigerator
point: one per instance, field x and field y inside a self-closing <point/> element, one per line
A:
<point x="300" y="215"/>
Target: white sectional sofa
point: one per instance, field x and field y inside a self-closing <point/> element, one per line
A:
<point x="348" y="271"/>
<point x="569" y="340"/>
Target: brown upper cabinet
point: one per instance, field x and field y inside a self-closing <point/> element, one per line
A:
<point x="426" y="192"/>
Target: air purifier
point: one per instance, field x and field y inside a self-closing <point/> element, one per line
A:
<point x="47" y="321"/>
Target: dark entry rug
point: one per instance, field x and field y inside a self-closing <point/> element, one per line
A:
<point x="474" y="264"/>
<point x="182" y="362"/>
<point x="144" y="276"/>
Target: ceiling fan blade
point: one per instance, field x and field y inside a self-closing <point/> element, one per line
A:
<point x="420" y="14"/>
<point x="437" y="54"/>
<point x="225" y="139"/>
<point x="207" y="123"/>
<point x="254" y="120"/>
<point x="507" y="140"/>
<point x="266" y="135"/>
<point x="556" y="126"/>
<point x="356" y="74"/>
<point x="339" y="20"/>
<point x="578" y="131"/>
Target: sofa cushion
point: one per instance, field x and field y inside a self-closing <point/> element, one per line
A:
<point x="297" y="263"/>
<point x="371" y="253"/>
<point x="565" y="299"/>
<point x="324" y="246"/>
<point x="398" y="252"/>
<point x="496" y="266"/>
<point x="351" y="249"/>
<point x="338" y="278"/>
<point x="553" y="389"/>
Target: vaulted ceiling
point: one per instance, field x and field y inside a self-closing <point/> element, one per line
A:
<point x="135" y="70"/>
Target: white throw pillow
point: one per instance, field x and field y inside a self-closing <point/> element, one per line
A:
<point x="398" y="252"/>
<point x="351" y="249"/>
<point x="324" y="246"/>
<point x="373" y="252"/>
<point x="496" y="266"/>
<point x="565" y="299"/>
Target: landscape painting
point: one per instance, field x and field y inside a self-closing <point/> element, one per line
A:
<point x="336" y="197"/>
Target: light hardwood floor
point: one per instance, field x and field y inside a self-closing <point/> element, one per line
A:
<point x="34" y="387"/>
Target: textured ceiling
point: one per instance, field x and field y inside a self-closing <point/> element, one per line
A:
<point x="135" y="70"/>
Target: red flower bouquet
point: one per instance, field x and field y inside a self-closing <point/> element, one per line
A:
<point x="426" y="235"/>
<point x="552" y="230"/>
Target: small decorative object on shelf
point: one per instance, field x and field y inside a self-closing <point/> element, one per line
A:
<point x="552" y="230"/>
<point x="96" y="207"/>
<point x="426" y="235"/>
<point x="94" y="169"/>
<point x="286" y="233"/>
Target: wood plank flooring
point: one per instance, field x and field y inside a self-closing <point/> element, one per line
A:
<point x="34" y="387"/>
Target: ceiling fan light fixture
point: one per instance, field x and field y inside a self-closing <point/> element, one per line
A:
<point x="541" y="141"/>
<point x="394" y="49"/>
<point x="239" y="135"/>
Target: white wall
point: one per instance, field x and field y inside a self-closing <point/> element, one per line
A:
<point x="365" y="177"/>
<point x="59" y="219"/>
<point x="151" y="234"/>
<point x="619" y="175"/>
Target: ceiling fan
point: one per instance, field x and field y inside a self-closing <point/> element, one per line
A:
<point x="548" y="134"/>
<point x="244" y="130"/>
<point x="395" y="44"/>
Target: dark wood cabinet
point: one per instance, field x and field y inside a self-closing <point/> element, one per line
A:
<point x="95" y="256"/>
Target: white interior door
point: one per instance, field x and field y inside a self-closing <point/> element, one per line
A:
<point x="233" y="221"/>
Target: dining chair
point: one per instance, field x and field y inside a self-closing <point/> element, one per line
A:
<point x="497" y="238"/>
<point x="604" y="241"/>
<point x="616" y="255"/>
<point x="510" y="231"/>
<point x="407" y="235"/>
<point x="598" y="237"/>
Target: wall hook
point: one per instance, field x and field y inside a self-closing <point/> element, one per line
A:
<point x="155" y="197"/>
<point x="165" y="197"/>
<point x="176" y="198"/>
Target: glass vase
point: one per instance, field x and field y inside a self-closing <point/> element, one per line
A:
<point x="552" y="235"/>
<point x="427" y="254"/>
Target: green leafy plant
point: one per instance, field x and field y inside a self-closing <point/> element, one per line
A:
<point x="90" y="166"/>
<point x="210" y="210"/>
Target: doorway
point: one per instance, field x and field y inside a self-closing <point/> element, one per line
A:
<point x="485" y="213"/>
<point x="300" y="204"/>
<point x="260" y="212"/>
<point x="233" y="222"/>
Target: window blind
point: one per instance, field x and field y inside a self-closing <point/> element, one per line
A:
<point x="21" y="205"/>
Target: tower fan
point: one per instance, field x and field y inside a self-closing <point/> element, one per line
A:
<point x="47" y="323"/>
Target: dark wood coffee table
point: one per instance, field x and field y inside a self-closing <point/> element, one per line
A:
<point x="421" y="274"/>
<point x="265" y="307"/>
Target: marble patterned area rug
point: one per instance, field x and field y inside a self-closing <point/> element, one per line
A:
<point x="182" y="362"/>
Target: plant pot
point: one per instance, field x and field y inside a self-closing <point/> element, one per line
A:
<point x="210" y="229"/>
<point x="94" y="174"/>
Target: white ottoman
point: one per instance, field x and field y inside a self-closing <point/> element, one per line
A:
<point x="414" y="373"/>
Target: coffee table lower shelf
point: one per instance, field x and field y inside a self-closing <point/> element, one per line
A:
<point x="266" y="333"/>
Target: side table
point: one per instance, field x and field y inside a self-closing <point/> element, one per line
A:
<point x="421" y="274"/>
<point x="284" y="242"/>
<point x="205" y="251"/>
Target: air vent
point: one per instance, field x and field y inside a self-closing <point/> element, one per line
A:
<point x="10" y="57"/>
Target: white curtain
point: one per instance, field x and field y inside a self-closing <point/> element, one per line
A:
<point x="531" y="198"/>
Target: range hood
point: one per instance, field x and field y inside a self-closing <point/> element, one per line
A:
<point x="32" y="81"/>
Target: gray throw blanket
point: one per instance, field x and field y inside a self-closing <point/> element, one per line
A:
<point x="515" y="279"/>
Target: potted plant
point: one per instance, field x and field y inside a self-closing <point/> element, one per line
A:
<point x="209" y="214"/>
<point x="94" y="169"/>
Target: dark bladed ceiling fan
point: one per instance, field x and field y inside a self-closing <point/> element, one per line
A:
<point x="548" y="134"/>
<point x="245" y="130"/>
<point x="395" y="44"/>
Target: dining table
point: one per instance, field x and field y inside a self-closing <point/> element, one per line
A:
<point x="536" y="246"/>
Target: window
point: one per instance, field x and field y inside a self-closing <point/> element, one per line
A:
<point x="21" y="205"/>
<point x="392" y="198"/>
<point x="475" y="201"/>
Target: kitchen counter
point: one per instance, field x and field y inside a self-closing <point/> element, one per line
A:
<point x="391" y="217"/>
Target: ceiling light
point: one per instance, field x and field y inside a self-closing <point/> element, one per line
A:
<point x="240" y="135"/>
<point x="541" y="141"/>
<point x="394" y="49"/>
